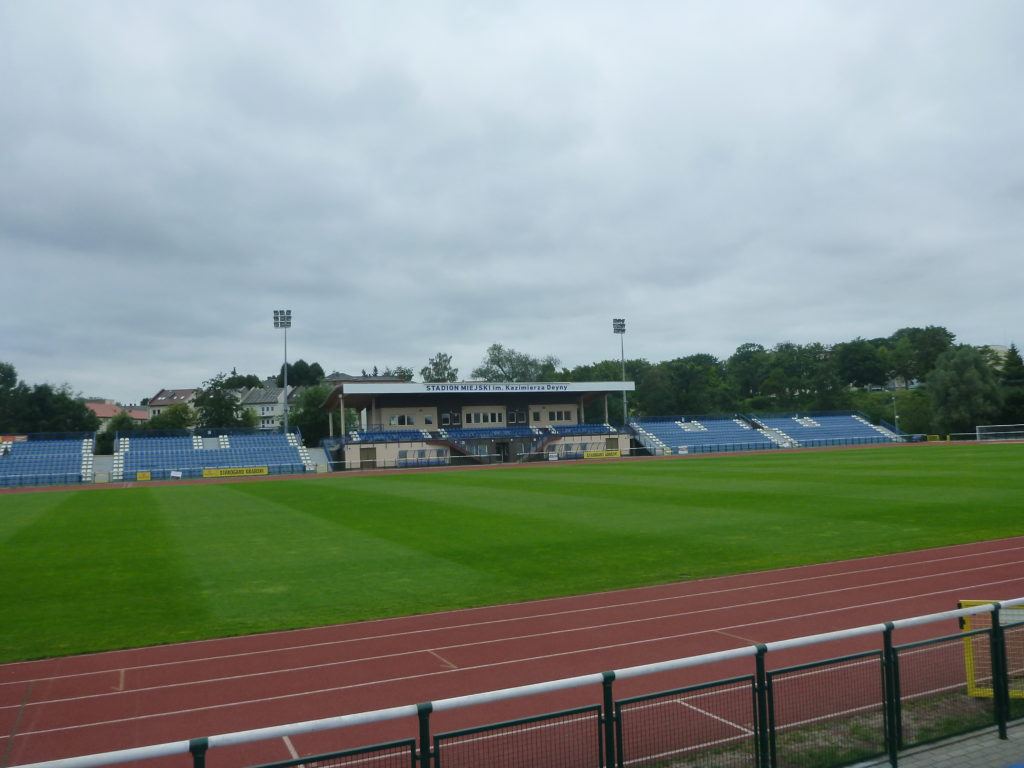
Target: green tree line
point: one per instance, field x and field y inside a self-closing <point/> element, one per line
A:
<point x="941" y="386"/>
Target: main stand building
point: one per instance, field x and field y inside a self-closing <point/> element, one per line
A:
<point x="406" y="424"/>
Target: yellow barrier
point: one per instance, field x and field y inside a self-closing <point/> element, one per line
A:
<point x="609" y="454"/>
<point x="143" y="474"/>
<point x="236" y="471"/>
<point x="977" y="661"/>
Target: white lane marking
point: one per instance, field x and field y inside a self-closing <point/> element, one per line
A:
<point x="587" y="629"/>
<point x="730" y="723"/>
<point x="442" y="659"/>
<point x="291" y="748"/>
<point x="543" y="657"/>
<point x="734" y="636"/>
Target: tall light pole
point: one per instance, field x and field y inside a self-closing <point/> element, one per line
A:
<point x="619" y="327"/>
<point x="895" y="415"/>
<point x="283" y="319"/>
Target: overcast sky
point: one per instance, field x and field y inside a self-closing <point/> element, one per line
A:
<point x="418" y="177"/>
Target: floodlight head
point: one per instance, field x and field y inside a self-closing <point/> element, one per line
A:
<point x="282" y="318"/>
<point x="619" y="325"/>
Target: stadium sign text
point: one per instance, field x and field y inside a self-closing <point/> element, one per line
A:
<point x="496" y="387"/>
<point x="483" y="387"/>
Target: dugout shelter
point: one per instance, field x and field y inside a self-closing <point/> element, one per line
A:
<point x="407" y="424"/>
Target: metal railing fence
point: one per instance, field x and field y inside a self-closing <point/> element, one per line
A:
<point x="828" y="712"/>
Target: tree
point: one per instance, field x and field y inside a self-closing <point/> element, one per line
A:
<point x="308" y="415"/>
<point x="899" y="358"/>
<point x="120" y="422"/>
<point x="301" y="374"/>
<point x="657" y="395"/>
<point x="747" y="369"/>
<point x="913" y="407"/>
<point x="1012" y="373"/>
<point x="402" y="372"/>
<point x="178" y="416"/>
<point x="964" y="391"/>
<point x="501" y="364"/>
<point x="1012" y="379"/>
<point x="217" y="406"/>
<point x="239" y="381"/>
<point x="439" y="368"/>
<point x="611" y="370"/>
<point x="10" y="394"/>
<point x="917" y="350"/>
<point x="860" y="363"/>
<point x="700" y="384"/>
<point x="8" y="377"/>
<point x="41" y="408"/>
<point x="790" y="373"/>
<point x="828" y="389"/>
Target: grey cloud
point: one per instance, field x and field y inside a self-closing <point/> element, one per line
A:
<point x="410" y="180"/>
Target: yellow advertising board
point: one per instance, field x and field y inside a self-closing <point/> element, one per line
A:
<point x="610" y="454"/>
<point x="143" y="474"/>
<point x="236" y="471"/>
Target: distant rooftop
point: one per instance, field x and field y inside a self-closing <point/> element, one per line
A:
<point x="172" y="397"/>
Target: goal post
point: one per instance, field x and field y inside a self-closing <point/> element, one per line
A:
<point x="977" y="656"/>
<point x="988" y="432"/>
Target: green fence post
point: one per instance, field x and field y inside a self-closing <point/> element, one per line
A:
<point x="1000" y="684"/>
<point x="198" y="749"/>
<point x="891" y="688"/>
<point x="423" y="713"/>
<point x="764" y="759"/>
<point x="608" y="719"/>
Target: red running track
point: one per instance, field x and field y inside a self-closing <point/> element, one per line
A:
<point x="85" y="704"/>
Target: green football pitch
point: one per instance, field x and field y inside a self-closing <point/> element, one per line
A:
<point x="89" y="570"/>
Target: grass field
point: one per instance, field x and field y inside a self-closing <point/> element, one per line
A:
<point x="100" y="569"/>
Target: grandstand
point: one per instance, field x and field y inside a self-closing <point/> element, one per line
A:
<point x="405" y="425"/>
<point x="408" y="424"/>
<point x="44" y="459"/>
<point x="680" y="435"/>
<point x="819" y="430"/>
<point x="182" y="455"/>
<point x="716" y="434"/>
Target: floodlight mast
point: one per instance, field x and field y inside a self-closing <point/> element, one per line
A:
<point x="283" y="320"/>
<point x="619" y="327"/>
